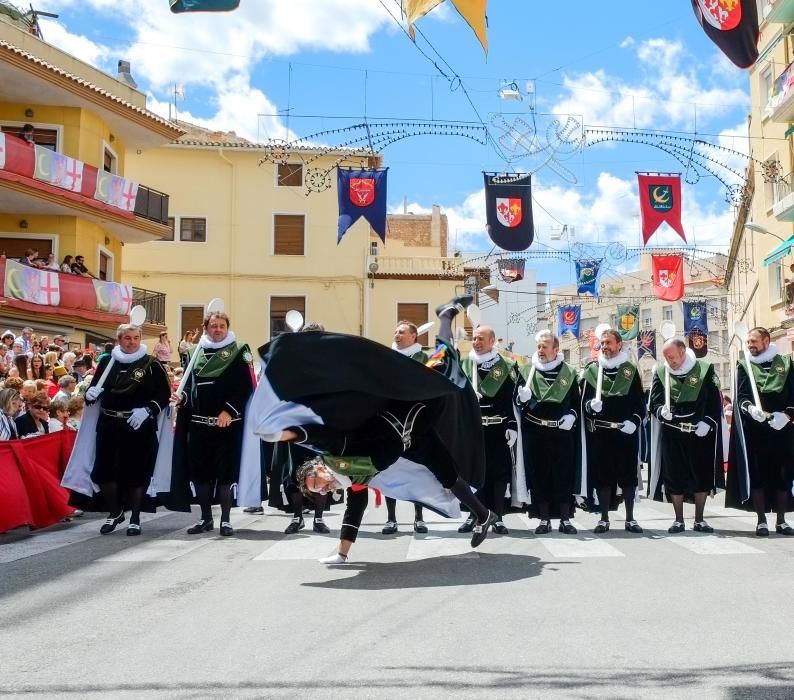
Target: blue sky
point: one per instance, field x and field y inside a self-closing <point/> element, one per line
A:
<point x="617" y="63"/>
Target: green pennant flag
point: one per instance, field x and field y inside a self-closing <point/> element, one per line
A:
<point x="629" y="321"/>
<point x="178" y="6"/>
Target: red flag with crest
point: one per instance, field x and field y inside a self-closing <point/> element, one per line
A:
<point x="668" y="276"/>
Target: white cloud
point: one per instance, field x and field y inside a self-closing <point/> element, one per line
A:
<point x="628" y="41"/>
<point x="669" y="94"/>
<point x="75" y="44"/>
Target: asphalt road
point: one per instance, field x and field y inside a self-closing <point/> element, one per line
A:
<point x="167" y="615"/>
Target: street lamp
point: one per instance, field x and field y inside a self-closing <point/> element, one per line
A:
<point x="757" y="228"/>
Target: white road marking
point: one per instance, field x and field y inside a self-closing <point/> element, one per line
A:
<point x="581" y="546"/>
<point x="712" y="544"/>
<point x="437" y="543"/>
<point x="299" y="547"/>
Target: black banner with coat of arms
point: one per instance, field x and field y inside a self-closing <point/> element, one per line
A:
<point x="508" y="210"/>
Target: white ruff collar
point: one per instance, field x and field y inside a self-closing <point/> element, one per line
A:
<point x="410" y="351"/>
<point x="120" y="356"/>
<point x="766" y="356"/>
<point x="485" y="357"/>
<point x="616" y="361"/>
<point x="686" y="365"/>
<point x="208" y="344"/>
<point x="547" y="366"/>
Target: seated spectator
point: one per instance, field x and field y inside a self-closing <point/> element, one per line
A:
<point x="7" y="338"/>
<point x="52" y="380"/>
<point x="59" y="416"/>
<point x="51" y="263"/>
<point x="25" y="338"/>
<point x="44" y="343"/>
<point x="35" y="346"/>
<point x="51" y="358"/>
<point x="28" y="391"/>
<point x="75" y="406"/>
<point x="68" y="359"/>
<point x="31" y="258"/>
<point x="79" y="268"/>
<point x="41" y="386"/>
<point x="22" y="364"/>
<point x="162" y="349"/>
<point x="66" y="265"/>
<point x="36" y="420"/>
<point x="60" y="342"/>
<point x="14" y="383"/>
<point x="66" y="385"/>
<point x="37" y="367"/>
<point x="10" y="405"/>
<point x="16" y="348"/>
<point x="13" y="371"/>
<point x="79" y="369"/>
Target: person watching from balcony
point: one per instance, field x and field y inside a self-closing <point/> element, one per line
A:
<point x="36" y="420"/>
<point x="10" y="405"/>
<point x="28" y="134"/>
<point x="79" y="268"/>
<point x="31" y="258"/>
<point x="66" y="265"/>
<point x="162" y="349"/>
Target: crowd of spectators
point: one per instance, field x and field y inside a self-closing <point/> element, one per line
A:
<point x="72" y="265"/>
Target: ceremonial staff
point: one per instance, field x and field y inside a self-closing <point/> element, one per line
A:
<point x="667" y="331"/>
<point x="741" y="331"/>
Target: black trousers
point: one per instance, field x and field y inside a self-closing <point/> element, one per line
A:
<point x="354" y="512"/>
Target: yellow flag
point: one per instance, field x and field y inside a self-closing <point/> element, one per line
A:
<point x="473" y="11"/>
<point x="415" y="9"/>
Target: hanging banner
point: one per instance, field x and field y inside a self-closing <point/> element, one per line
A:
<point x="58" y="169"/>
<point x="587" y="276"/>
<point x="113" y="297"/>
<point x="628" y="321"/>
<point x="646" y="344"/>
<point x="2" y="150"/>
<point x="733" y="26"/>
<point x="699" y="342"/>
<point x="668" y="276"/>
<point x="593" y="343"/>
<point x="116" y="191"/>
<point x="569" y="317"/>
<point x="511" y="269"/>
<point x="508" y="211"/>
<point x="31" y="284"/>
<point x="178" y="6"/>
<point x="361" y="193"/>
<point x="695" y="317"/>
<point x="660" y="200"/>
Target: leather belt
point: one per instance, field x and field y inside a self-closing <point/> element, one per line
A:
<point x="493" y="420"/>
<point x="542" y="422"/>
<point x="593" y="423"/>
<point x="683" y="427"/>
<point x="208" y="420"/>
<point x="116" y="414"/>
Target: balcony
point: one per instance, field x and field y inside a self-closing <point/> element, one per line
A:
<point x="778" y="11"/>
<point x="153" y="302"/>
<point x="780" y="107"/>
<point x="34" y="180"/>
<point x="783" y="208"/>
<point x="385" y="267"/>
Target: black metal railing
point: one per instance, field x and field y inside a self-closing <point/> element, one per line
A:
<point x="153" y="302"/>
<point x="151" y="204"/>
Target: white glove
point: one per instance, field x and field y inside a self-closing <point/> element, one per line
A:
<point x="666" y="413"/>
<point x="566" y="422"/>
<point x="596" y="405"/>
<point x="137" y="417"/>
<point x="628" y="427"/>
<point x="702" y="428"/>
<point x="478" y="395"/>
<point x="93" y="393"/>
<point x="524" y="394"/>
<point x="756" y="413"/>
<point x="511" y="436"/>
<point x="778" y="420"/>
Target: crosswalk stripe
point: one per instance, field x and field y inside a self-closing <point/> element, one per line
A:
<point x="311" y="546"/>
<point x="39" y="543"/>
<point x="712" y="544"/>
<point x="156" y="550"/>
<point x="437" y="543"/>
<point x="581" y="546"/>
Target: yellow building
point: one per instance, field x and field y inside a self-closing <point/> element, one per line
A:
<point x="245" y="229"/>
<point x="758" y="275"/>
<point x="87" y="122"/>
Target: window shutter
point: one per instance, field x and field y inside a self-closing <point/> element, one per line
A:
<point x="416" y="314"/>
<point x="288" y="234"/>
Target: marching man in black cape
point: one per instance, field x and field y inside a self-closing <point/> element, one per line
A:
<point x="686" y="436"/>
<point x="761" y="459"/>
<point x="614" y="407"/>
<point x="375" y="418"/>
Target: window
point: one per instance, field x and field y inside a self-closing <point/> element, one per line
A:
<point x="279" y="306"/>
<point x="193" y="229"/>
<point x="416" y="314"/>
<point x="647" y="318"/>
<point x="47" y="138"/>
<point x="566" y="354"/>
<point x="290" y="175"/>
<point x="775" y="272"/>
<point x="766" y="79"/>
<point x="667" y="313"/>
<point x="105" y="267"/>
<point x="16" y="247"/>
<point x="109" y="161"/>
<point x="191" y="317"/>
<point x="770" y="188"/>
<point x="171" y="229"/>
<point x="289" y="232"/>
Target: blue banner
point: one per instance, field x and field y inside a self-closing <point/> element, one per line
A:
<point x="587" y="276"/>
<point x="568" y="318"/>
<point x="646" y="344"/>
<point x="362" y="193"/>
<point x="696" y="317"/>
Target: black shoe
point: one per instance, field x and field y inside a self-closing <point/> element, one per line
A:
<point x="602" y="527"/>
<point x="633" y="526"/>
<point x="499" y="528"/>
<point x="784" y="529"/>
<point x="253" y="509"/>
<point x="566" y="528"/>
<point x="133" y="530"/>
<point x="110" y="524"/>
<point x="390" y="528"/>
<point x="419" y="527"/>
<point x="480" y="531"/>
<point x="544" y="528"/>
<point x="295" y="526"/>
<point x="762" y="530"/>
<point x="226" y="529"/>
<point x="676" y="527"/>
<point x="703" y="526"/>
<point x="468" y="526"/>
<point x="457" y="304"/>
<point x="201" y="526"/>
<point x="319" y="526"/>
